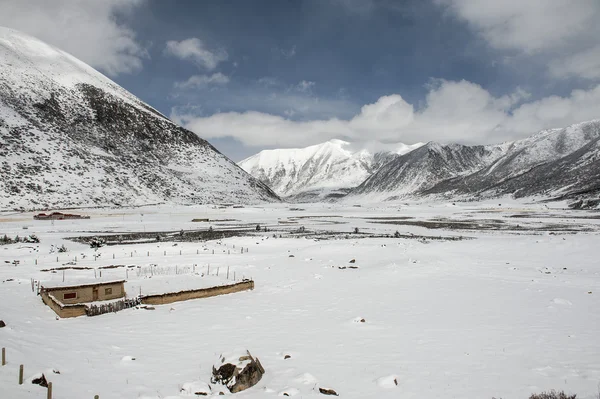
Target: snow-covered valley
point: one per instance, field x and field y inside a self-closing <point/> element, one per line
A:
<point x="466" y="300"/>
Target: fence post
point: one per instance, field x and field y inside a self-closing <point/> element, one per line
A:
<point x="180" y="252"/>
<point x="165" y="253"/>
<point x="21" y="375"/>
<point x="234" y="275"/>
<point x="49" y="390"/>
<point x="3" y="356"/>
<point x="227" y="272"/>
<point x="218" y="270"/>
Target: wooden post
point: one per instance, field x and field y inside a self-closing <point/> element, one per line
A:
<point x="3" y="356"/>
<point x="218" y="270"/>
<point x="100" y="273"/>
<point x="21" y="375"/>
<point x="208" y="271"/>
<point x="57" y="258"/>
<point x="131" y="256"/>
<point x="36" y="261"/>
<point x="234" y="276"/>
<point x="113" y="256"/>
<point x="227" y="272"/>
<point x="213" y="251"/>
<point x="49" y="390"/>
<point x="63" y="276"/>
<point x="228" y="252"/>
<point x="197" y="252"/>
<point x="148" y="253"/>
<point x="180" y="252"/>
<point x="127" y="273"/>
<point x="176" y="269"/>
<point x="165" y="253"/>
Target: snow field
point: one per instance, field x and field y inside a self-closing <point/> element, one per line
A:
<point x="503" y="315"/>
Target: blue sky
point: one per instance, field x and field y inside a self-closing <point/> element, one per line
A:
<point x="263" y="74"/>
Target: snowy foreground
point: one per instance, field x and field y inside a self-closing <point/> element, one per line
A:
<point x="514" y="310"/>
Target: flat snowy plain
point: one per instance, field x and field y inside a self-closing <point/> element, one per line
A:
<point x="512" y="311"/>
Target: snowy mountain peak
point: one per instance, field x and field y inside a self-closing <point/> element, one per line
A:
<point x="329" y="168"/>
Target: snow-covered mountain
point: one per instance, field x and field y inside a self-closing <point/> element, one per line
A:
<point x="324" y="170"/>
<point x="69" y="137"/>
<point x="556" y="163"/>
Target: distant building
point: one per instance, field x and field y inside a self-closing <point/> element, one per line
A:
<point x="58" y="216"/>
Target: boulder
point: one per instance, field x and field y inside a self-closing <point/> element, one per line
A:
<point x="2" y="324"/>
<point x="237" y="371"/>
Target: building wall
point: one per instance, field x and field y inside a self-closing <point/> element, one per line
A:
<point x="63" y="311"/>
<point x="201" y="293"/>
<point x="86" y="294"/>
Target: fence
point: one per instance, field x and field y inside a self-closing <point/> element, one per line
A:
<point x="96" y="310"/>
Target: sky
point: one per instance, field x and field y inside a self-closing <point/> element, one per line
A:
<point x="264" y="74"/>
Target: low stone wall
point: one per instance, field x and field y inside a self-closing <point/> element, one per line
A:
<point x="63" y="311"/>
<point x="171" y="297"/>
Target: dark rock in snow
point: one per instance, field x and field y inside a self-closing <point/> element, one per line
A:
<point x="326" y="391"/>
<point x="237" y="373"/>
<point x="2" y="323"/>
<point x="41" y="381"/>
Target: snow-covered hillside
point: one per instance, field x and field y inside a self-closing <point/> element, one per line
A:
<point x="556" y="163"/>
<point x="69" y="136"/>
<point x="319" y="170"/>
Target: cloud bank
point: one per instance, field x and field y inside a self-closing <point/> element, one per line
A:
<point x="453" y="111"/>
<point x="565" y="32"/>
<point x="89" y="30"/>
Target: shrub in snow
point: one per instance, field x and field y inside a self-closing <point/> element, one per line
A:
<point x="552" y="395"/>
<point x="96" y="242"/>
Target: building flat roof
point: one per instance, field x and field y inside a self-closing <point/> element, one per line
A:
<point x="55" y="285"/>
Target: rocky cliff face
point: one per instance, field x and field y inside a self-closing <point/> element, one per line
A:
<point x="71" y="137"/>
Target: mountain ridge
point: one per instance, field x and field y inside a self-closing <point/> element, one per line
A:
<point x="318" y="171"/>
<point x="71" y="137"/>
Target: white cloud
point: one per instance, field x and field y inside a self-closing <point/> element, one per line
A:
<point x="305" y="86"/>
<point x="200" y="81"/>
<point x="193" y="49"/>
<point x="556" y="29"/>
<point x="585" y="64"/>
<point x="87" y="29"/>
<point x="453" y="112"/>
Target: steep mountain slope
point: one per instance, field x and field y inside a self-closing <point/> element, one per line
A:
<point x="71" y="137"/>
<point x="557" y="162"/>
<point x="424" y="167"/>
<point x="317" y="171"/>
<point x="552" y="163"/>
